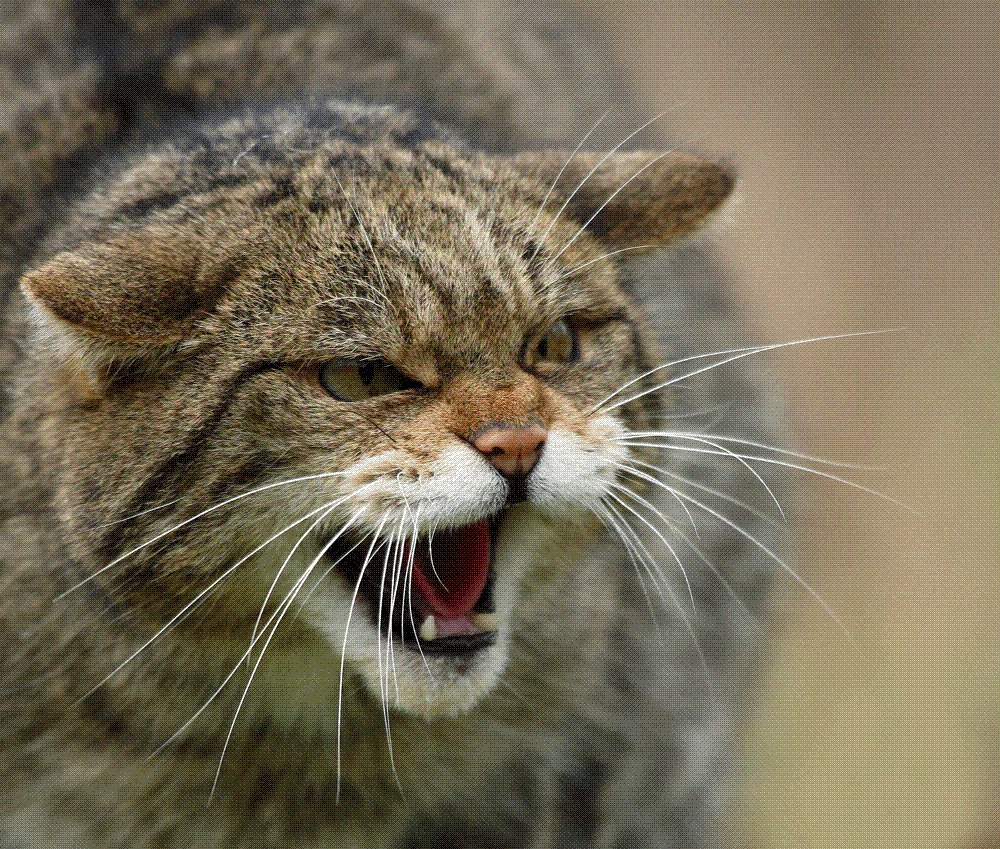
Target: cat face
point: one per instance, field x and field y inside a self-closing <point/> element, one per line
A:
<point x="344" y="384"/>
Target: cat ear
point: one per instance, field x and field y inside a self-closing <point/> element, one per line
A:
<point x="633" y="199"/>
<point x="136" y="291"/>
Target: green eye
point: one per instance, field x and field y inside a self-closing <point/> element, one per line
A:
<point x="357" y="380"/>
<point x="560" y="344"/>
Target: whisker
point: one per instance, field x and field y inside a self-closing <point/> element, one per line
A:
<point x="364" y="233"/>
<point x="343" y="649"/>
<point x="760" y="514"/>
<point x="675" y="527"/>
<point x="740" y="459"/>
<point x="636" y="546"/>
<point x="811" y="457"/>
<point x="593" y="171"/>
<point x="604" y="516"/>
<point x="145" y="512"/>
<point x="205" y="512"/>
<point x="788" y="569"/>
<point x="650" y="566"/>
<point x="291" y="554"/>
<point x="771" y="460"/>
<point x="378" y="630"/>
<point x="713" y="569"/>
<point x="648" y="524"/>
<point x="333" y="565"/>
<point x="358" y="298"/>
<point x="383" y="671"/>
<point x="738" y="353"/>
<point x="607" y="200"/>
<point x="236" y="667"/>
<point x="597" y="259"/>
<point x="695" y="414"/>
<point x="627" y="468"/>
<point x="397" y="570"/>
<point x="194" y="602"/>
<point x="555" y="182"/>
<point x="408" y="594"/>
<point x="285" y="607"/>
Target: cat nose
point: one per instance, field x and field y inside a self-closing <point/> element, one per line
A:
<point x="513" y="451"/>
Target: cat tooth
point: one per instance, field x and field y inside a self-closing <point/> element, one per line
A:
<point x="485" y="621"/>
<point x="428" y="629"/>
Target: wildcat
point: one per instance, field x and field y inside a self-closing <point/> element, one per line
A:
<point x="369" y="466"/>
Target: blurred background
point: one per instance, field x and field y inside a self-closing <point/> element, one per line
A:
<point x="866" y="136"/>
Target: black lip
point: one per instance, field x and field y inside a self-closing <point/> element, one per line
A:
<point x="464" y="644"/>
<point x="348" y="564"/>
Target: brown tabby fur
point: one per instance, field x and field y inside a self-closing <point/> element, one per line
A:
<point x="161" y="356"/>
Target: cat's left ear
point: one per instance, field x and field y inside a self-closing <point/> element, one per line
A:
<point x="633" y="199"/>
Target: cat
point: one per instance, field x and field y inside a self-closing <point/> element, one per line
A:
<point x="370" y="474"/>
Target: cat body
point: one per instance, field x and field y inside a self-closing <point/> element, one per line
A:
<point x="292" y="267"/>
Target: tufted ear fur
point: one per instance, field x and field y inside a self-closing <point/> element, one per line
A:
<point x="631" y="199"/>
<point x="128" y="295"/>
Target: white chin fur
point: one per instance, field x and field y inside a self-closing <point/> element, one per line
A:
<point x="571" y="476"/>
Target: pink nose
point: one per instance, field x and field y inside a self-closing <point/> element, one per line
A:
<point x="513" y="451"/>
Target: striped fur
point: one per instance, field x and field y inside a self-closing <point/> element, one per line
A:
<point x="204" y="202"/>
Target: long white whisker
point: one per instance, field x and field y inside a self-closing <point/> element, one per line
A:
<point x="628" y="468"/>
<point x="788" y="569"/>
<point x="760" y="514"/>
<point x="662" y="366"/>
<point x="695" y="414"/>
<point x="739" y="459"/>
<point x="383" y="671"/>
<point x="378" y="631"/>
<point x="343" y="649"/>
<point x="597" y="259"/>
<point x="187" y="607"/>
<point x="408" y="594"/>
<point x="787" y="465"/>
<point x="713" y="569"/>
<point x="608" y="522"/>
<point x="607" y="200"/>
<point x="397" y="570"/>
<point x="555" y="181"/>
<point x="364" y="232"/>
<point x="645" y="559"/>
<point x="333" y="565"/>
<point x="205" y="512"/>
<point x="237" y="666"/>
<point x="762" y="445"/>
<point x="145" y="512"/>
<point x="655" y="530"/>
<point x="740" y="353"/>
<point x="291" y="554"/>
<point x="359" y="298"/>
<point x="700" y="554"/>
<point x="594" y="170"/>
<point x="650" y="566"/>
<point x="285" y="607"/>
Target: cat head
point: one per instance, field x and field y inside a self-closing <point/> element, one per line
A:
<point x="330" y="360"/>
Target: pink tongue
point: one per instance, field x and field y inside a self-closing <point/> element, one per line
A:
<point x="452" y="575"/>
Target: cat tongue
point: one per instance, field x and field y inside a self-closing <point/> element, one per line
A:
<point x="452" y="575"/>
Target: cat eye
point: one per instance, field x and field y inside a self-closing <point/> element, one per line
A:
<point x="561" y="344"/>
<point x="357" y="380"/>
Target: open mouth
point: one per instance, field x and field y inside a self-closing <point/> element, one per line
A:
<point x="445" y="605"/>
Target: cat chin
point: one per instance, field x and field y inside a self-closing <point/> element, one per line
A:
<point x="432" y="685"/>
<point x="445" y="686"/>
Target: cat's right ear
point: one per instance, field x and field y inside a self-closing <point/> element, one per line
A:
<point x="639" y="200"/>
<point x="126" y="297"/>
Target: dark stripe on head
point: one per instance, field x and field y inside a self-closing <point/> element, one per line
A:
<point x="178" y="469"/>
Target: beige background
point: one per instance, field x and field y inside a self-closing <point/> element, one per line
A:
<point x="866" y="135"/>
